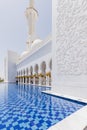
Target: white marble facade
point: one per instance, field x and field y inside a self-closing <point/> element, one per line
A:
<point x="69" y="48"/>
<point x="61" y="59"/>
<point x="34" y="65"/>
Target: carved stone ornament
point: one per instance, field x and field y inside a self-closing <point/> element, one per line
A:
<point x="71" y="37"/>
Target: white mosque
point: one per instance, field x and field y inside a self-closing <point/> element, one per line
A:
<point x="59" y="60"/>
<point x="34" y="65"/>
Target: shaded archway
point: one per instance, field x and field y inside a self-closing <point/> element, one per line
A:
<point x="36" y="68"/>
<point x="31" y="75"/>
<point x="50" y="73"/>
<point x="43" y="67"/>
<point x="43" y="73"/>
<point x="17" y="77"/>
<point x="19" y="74"/>
<point x="36" y="77"/>
<point x="24" y="76"/>
<point x="50" y="64"/>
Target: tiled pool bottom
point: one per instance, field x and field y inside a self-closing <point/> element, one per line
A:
<point x="26" y="108"/>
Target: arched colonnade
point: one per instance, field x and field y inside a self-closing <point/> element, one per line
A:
<point x="36" y="74"/>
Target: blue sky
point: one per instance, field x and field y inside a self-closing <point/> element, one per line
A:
<point x="13" y="25"/>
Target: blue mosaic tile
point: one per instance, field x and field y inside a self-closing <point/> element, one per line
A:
<point x="26" y="108"/>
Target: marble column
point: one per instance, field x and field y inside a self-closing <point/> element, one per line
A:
<point x="40" y="78"/>
<point x="29" y="79"/>
<point x="23" y="80"/>
<point x="34" y="79"/>
<point x="18" y="80"/>
<point x="26" y="79"/>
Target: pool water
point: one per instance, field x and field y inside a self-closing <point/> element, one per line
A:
<point x="27" y="108"/>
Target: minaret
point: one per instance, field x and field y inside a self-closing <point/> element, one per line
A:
<point x="31" y="3"/>
<point x="31" y="14"/>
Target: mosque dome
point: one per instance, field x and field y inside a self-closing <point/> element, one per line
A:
<point x="36" y="43"/>
<point x="24" y="53"/>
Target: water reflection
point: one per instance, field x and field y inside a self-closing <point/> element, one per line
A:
<point x="27" y="104"/>
<point x="33" y="95"/>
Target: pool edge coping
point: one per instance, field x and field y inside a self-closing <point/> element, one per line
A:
<point x="74" y="116"/>
<point x="50" y="92"/>
<point x="77" y="120"/>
